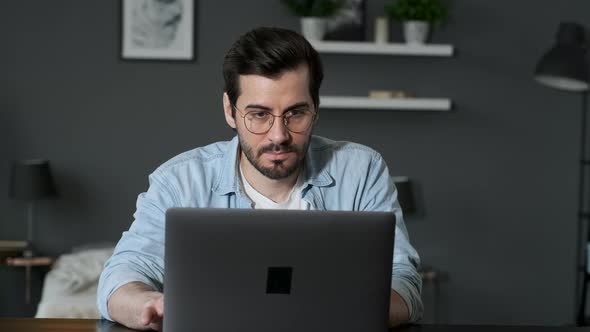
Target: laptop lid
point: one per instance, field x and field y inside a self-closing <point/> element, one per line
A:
<point x="277" y="270"/>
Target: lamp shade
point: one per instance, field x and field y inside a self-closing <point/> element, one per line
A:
<point x="405" y="194"/>
<point x="31" y="180"/>
<point x="565" y="65"/>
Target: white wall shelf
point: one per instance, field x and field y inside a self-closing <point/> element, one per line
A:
<point x="402" y="104"/>
<point x="385" y="48"/>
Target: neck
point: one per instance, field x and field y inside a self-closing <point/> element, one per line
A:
<point x="276" y="190"/>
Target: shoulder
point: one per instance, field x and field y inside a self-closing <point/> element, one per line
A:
<point x="322" y="148"/>
<point x="343" y="161"/>
<point x="203" y="158"/>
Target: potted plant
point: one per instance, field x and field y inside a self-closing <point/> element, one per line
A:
<point x="417" y="17"/>
<point x="313" y="15"/>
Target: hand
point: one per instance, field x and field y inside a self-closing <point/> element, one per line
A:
<point x="152" y="313"/>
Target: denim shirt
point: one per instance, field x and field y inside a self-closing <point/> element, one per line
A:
<point x="338" y="176"/>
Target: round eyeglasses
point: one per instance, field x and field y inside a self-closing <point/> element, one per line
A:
<point x="297" y="120"/>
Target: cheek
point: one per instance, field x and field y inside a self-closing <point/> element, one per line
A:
<point x="253" y="141"/>
<point x="301" y="140"/>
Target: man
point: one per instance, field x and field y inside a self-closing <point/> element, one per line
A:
<point x="272" y="80"/>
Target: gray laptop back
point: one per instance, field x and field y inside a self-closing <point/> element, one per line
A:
<point x="277" y="270"/>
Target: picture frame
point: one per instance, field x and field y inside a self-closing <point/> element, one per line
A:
<point x="350" y="23"/>
<point x="160" y="30"/>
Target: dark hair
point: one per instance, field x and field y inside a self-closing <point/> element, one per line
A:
<point x="269" y="52"/>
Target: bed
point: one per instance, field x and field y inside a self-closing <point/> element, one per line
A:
<point x="69" y="288"/>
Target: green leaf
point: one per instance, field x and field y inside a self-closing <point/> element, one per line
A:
<point x="433" y="11"/>
<point x="314" y="8"/>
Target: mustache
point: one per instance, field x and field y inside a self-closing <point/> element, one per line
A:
<point x="283" y="148"/>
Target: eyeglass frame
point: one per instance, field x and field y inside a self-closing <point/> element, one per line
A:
<point x="314" y="113"/>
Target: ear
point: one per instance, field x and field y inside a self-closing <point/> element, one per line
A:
<point x="227" y="111"/>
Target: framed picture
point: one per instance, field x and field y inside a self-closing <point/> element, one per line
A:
<point x="350" y="23"/>
<point x="158" y="29"/>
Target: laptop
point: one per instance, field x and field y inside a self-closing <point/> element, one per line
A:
<point x="277" y="270"/>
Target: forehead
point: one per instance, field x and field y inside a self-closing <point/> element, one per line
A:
<point x="289" y="84"/>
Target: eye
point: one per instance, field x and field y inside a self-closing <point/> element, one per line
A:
<point x="259" y="115"/>
<point x="296" y="112"/>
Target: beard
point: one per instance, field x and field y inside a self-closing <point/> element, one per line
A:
<point x="278" y="170"/>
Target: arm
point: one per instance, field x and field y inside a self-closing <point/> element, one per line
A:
<point x="137" y="306"/>
<point x="136" y="268"/>
<point x="380" y="194"/>
<point x="398" y="310"/>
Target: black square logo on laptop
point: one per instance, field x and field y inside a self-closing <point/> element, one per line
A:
<point x="279" y="280"/>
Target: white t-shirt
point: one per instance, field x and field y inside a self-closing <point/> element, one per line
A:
<point x="259" y="201"/>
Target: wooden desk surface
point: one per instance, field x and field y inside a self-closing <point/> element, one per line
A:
<point x="59" y="325"/>
<point x="92" y="325"/>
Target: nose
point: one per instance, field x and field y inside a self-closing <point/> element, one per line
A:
<point x="278" y="133"/>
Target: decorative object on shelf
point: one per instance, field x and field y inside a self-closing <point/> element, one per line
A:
<point x="386" y="94"/>
<point x="381" y="30"/>
<point x="314" y="14"/>
<point x="405" y="194"/>
<point x="417" y="17"/>
<point x="565" y="67"/>
<point x="157" y="30"/>
<point x="313" y="28"/>
<point x="31" y="180"/>
<point x="349" y="23"/>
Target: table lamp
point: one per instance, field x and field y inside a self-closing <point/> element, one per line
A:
<point x="565" y="67"/>
<point x="31" y="180"/>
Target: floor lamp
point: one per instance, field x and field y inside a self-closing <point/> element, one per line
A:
<point x="565" y="67"/>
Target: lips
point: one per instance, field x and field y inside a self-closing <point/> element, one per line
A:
<point x="278" y="155"/>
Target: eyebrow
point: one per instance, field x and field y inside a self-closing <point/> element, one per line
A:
<point x="266" y="108"/>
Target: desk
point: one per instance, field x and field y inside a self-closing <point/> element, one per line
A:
<point x="92" y="325"/>
<point x="59" y="325"/>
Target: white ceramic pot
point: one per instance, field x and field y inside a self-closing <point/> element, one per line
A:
<point x="313" y="28"/>
<point x="416" y="32"/>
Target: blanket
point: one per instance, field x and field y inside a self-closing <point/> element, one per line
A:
<point x="69" y="290"/>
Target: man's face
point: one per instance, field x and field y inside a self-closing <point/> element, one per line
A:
<point x="278" y="153"/>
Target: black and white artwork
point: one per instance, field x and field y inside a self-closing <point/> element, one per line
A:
<point x="157" y="29"/>
<point x="350" y="22"/>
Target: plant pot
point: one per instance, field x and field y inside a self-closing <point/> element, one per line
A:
<point x="313" y="28"/>
<point x="416" y="32"/>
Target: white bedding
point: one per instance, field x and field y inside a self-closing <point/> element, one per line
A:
<point x="69" y="290"/>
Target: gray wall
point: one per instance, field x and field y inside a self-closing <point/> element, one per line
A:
<point x="497" y="176"/>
